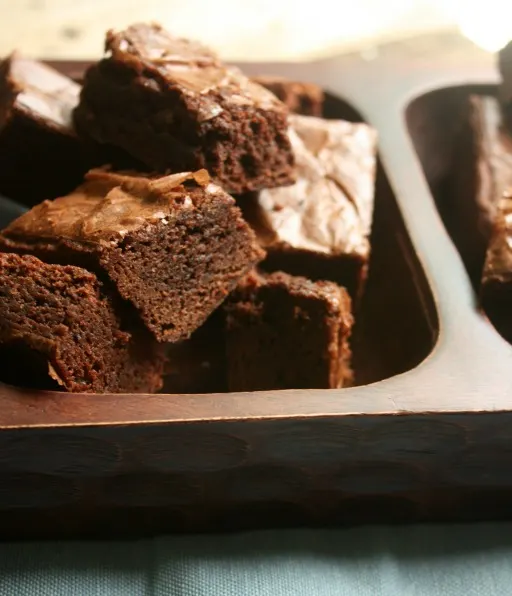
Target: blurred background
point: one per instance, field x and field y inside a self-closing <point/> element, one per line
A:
<point x="245" y="29"/>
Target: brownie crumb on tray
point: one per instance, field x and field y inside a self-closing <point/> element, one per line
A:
<point x="320" y="226"/>
<point x="173" y="105"/>
<point x="173" y="246"/>
<point x="285" y="332"/>
<point x="59" y="329"/>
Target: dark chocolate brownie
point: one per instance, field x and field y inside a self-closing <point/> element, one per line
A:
<point x="482" y="173"/>
<point x="285" y="332"/>
<point x="198" y="364"/>
<point x="174" y="106"/>
<point x="41" y="156"/>
<point x="496" y="290"/>
<point x="174" y="246"/>
<point x="59" y="329"/>
<point x="320" y="226"/>
<point x="301" y="98"/>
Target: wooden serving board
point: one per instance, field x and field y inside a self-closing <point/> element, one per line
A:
<point x="427" y="435"/>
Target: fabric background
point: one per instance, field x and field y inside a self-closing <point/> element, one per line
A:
<point x="373" y="561"/>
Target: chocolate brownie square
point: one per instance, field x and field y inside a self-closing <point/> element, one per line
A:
<point x="173" y="105"/>
<point x="173" y="246"/>
<point x="496" y="289"/>
<point x="301" y="98"/>
<point x="482" y="173"/>
<point x="40" y="154"/>
<point x="285" y="332"/>
<point x="320" y="226"/>
<point x="59" y="329"/>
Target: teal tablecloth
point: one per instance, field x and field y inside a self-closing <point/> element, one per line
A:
<point x="411" y="561"/>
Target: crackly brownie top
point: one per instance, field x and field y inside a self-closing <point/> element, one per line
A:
<point x="38" y="91"/>
<point x="329" y="209"/>
<point x="109" y="205"/>
<point x="148" y="49"/>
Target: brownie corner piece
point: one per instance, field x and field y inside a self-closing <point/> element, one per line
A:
<point x="173" y="246"/>
<point x="59" y="329"/>
<point x="286" y="332"/>
<point x="306" y="99"/>
<point x="173" y="105"/>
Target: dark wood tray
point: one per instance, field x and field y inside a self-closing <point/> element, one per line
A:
<point x="427" y="436"/>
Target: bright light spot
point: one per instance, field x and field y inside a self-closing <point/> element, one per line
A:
<point x="488" y="24"/>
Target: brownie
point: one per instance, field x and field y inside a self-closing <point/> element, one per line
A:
<point x="301" y="98"/>
<point x="285" y="332"/>
<point x="198" y="364"/>
<point x="482" y="173"/>
<point x="174" y="246"/>
<point x="59" y="329"/>
<point x="496" y="289"/>
<point x="40" y="154"/>
<point x="320" y="226"/>
<point x="174" y="106"/>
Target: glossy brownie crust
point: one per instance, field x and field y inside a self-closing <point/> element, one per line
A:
<point x="173" y="246"/>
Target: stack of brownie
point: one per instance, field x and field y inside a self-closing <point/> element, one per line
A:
<point x="483" y="196"/>
<point x="187" y="229"/>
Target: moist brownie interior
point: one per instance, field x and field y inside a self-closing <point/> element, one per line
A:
<point x="173" y="246"/>
<point x="59" y="327"/>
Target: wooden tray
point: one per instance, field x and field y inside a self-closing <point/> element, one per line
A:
<point x="429" y="435"/>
